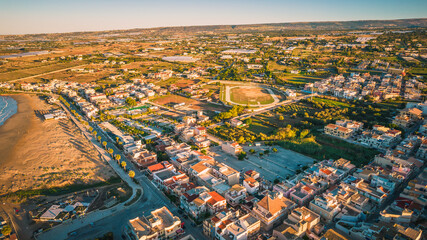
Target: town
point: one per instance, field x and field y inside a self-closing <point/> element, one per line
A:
<point x="230" y="136"/>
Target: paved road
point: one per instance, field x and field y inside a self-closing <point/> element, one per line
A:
<point x="116" y="218"/>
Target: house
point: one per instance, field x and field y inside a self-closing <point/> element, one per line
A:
<point x="145" y="158"/>
<point x="251" y="174"/>
<point x="327" y="207"/>
<point x="251" y="185"/>
<point x="272" y="209"/>
<point x="216" y="202"/>
<point x="236" y="123"/>
<point x="235" y="195"/>
<point x="160" y="224"/>
<point x="338" y="131"/>
<point x="301" y="194"/>
<point x="232" y="148"/>
<point x="299" y="222"/>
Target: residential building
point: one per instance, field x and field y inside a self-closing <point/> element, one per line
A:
<point x="160" y="224"/>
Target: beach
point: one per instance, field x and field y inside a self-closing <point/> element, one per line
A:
<point x="42" y="154"/>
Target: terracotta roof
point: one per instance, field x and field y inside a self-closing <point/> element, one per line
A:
<point x="215" y="198"/>
<point x="156" y="167"/>
<point x="326" y="171"/>
<point x="272" y="205"/>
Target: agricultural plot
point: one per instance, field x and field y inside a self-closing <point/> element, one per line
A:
<point x="13" y="75"/>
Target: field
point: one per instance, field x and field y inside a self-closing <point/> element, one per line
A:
<point x="17" y="74"/>
<point x="298" y="80"/>
<point x="190" y="104"/>
<point x="251" y="95"/>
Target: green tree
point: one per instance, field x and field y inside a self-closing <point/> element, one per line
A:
<point x="281" y="118"/>
<point x="130" y="101"/>
<point x="6" y="230"/>
<point x="131" y="174"/>
<point x="123" y="165"/>
<point x="118" y="157"/>
<point x="111" y="151"/>
<point x="104" y="143"/>
<point x="274" y="150"/>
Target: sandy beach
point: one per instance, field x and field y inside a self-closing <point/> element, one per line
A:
<point x="38" y="154"/>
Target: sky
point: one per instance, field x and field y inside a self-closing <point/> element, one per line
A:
<point x="51" y="16"/>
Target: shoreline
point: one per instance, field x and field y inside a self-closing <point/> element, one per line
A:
<point x="15" y="127"/>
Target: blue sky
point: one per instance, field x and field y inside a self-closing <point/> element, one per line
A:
<point x="47" y="16"/>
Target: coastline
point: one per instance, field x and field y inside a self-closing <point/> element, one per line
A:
<point x="15" y="127"/>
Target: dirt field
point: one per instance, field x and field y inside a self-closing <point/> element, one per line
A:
<point x="190" y="104"/>
<point x="43" y="154"/>
<point x="251" y="95"/>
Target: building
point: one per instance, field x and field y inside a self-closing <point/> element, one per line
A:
<point x="326" y="207"/>
<point x="232" y="148"/>
<point x="272" y="209"/>
<point x="300" y="221"/>
<point x="338" y="131"/>
<point x="251" y="185"/>
<point x="160" y="224"/>
<point x="235" y="195"/>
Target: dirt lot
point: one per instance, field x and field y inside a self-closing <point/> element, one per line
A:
<point x="250" y="95"/>
<point x="42" y="154"/>
<point x="190" y="104"/>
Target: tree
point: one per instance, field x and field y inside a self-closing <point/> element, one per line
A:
<point x="118" y="157"/>
<point x="274" y="150"/>
<point x="104" y="143"/>
<point x="252" y="151"/>
<point x="6" y="230"/>
<point x="111" y="151"/>
<point x="130" y="101"/>
<point x="241" y="155"/>
<point x="248" y="121"/>
<point x="131" y="174"/>
<point x="123" y="165"/>
<point x="94" y="133"/>
<point x="281" y="118"/>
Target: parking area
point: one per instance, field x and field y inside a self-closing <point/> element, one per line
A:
<point x="280" y="164"/>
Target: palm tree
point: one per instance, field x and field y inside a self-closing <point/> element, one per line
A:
<point x="99" y="138"/>
<point x="90" y="129"/>
<point x="111" y="151"/>
<point x="105" y="144"/>
<point x="118" y="157"/>
<point x="94" y="133"/>
<point x="123" y="165"/>
<point x="131" y="174"/>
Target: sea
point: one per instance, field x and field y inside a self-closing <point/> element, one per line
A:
<point x="8" y="107"/>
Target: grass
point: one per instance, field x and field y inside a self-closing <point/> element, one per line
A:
<point x="13" y="75"/>
<point x="56" y="191"/>
<point x="418" y="71"/>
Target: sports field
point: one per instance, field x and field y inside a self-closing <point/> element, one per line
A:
<point x="252" y="95"/>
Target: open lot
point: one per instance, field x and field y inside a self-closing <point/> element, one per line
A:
<point x="190" y="104"/>
<point x="250" y="95"/>
<point x="281" y="164"/>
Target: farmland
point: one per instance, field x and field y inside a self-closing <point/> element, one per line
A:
<point x="17" y="74"/>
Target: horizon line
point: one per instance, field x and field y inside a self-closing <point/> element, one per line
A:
<point x="209" y="25"/>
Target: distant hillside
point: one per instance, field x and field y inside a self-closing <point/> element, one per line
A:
<point x="300" y="26"/>
<point x="334" y="26"/>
